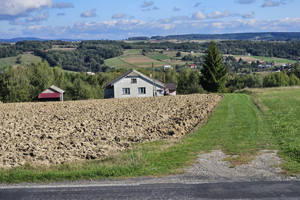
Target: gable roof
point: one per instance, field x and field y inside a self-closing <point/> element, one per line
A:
<point x="53" y="89"/>
<point x="131" y="73"/>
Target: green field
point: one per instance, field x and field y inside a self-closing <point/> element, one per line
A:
<point x="25" y="59"/>
<point x="159" y="59"/>
<point x="118" y="63"/>
<point x="271" y="59"/>
<point x="238" y="127"/>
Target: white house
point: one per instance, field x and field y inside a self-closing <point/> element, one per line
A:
<point x="133" y="84"/>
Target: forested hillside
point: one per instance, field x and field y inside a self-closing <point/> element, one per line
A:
<point x="90" y="55"/>
<point x="269" y="36"/>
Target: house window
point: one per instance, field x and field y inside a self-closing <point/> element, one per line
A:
<point x="142" y="90"/>
<point x="133" y="80"/>
<point x="126" y="91"/>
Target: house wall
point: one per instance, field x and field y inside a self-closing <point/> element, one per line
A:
<point x="141" y="82"/>
<point x="108" y="93"/>
<point x="172" y="92"/>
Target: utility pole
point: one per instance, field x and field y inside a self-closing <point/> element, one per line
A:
<point x="153" y="76"/>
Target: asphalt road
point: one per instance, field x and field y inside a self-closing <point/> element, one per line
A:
<point x="225" y="190"/>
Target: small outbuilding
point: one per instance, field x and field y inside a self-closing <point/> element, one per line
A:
<point x="53" y="93"/>
<point x="170" y="89"/>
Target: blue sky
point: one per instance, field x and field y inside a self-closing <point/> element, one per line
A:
<point x="120" y="19"/>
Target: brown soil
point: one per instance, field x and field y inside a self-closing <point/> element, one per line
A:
<point x="60" y="132"/>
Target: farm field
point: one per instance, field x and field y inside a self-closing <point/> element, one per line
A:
<point x="134" y="59"/>
<point x="64" y="132"/>
<point x="277" y="61"/>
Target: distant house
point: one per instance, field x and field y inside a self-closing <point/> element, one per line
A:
<point x="133" y="84"/>
<point x="53" y="93"/>
<point x="170" y="89"/>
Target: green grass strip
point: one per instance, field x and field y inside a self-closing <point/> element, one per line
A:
<point x="283" y="111"/>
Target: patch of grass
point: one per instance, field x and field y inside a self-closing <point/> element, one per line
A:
<point x="283" y="111"/>
<point x="117" y="63"/>
<point x="237" y="127"/>
<point x="25" y="59"/>
<point x="30" y="58"/>
<point x="276" y="60"/>
<point x="9" y="61"/>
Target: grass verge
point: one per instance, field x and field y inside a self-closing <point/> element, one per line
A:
<point x="283" y="111"/>
<point x="237" y="127"/>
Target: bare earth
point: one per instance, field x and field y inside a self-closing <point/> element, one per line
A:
<point x="60" y="132"/>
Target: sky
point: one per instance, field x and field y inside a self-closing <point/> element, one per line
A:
<point x="121" y="19"/>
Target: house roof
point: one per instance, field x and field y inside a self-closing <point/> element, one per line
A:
<point x="171" y="86"/>
<point x="49" y="95"/>
<point x="131" y="73"/>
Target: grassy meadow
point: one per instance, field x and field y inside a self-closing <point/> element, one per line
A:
<point x="282" y="112"/>
<point x="25" y="59"/>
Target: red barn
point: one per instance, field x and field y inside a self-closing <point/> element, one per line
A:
<point x="53" y="93"/>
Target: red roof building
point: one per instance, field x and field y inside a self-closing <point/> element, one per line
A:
<point x="53" y="93"/>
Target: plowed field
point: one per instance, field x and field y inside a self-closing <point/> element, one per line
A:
<point x="60" y="132"/>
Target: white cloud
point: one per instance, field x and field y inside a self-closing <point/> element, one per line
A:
<point x="272" y="3"/>
<point x="118" y="16"/>
<point x="218" y="14"/>
<point x="15" y="8"/>
<point x="89" y="13"/>
<point x="119" y="29"/>
<point x="218" y="25"/>
<point x="38" y="18"/>
<point x="248" y="15"/>
<point x="199" y="15"/>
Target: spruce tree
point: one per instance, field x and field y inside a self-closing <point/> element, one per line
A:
<point x="213" y="71"/>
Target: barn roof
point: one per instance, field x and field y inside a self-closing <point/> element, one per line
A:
<point x="53" y="87"/>
<point x="49" y="95"/>
<point x="131" y="73"/>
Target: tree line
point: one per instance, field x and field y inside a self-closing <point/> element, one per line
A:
<point x="23" y="84"/>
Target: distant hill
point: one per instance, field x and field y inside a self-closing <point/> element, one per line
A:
<point x="19" y="39"/>
<point x="266" y="36"/>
